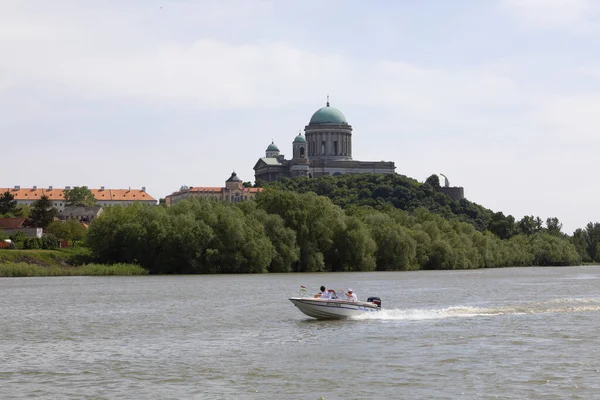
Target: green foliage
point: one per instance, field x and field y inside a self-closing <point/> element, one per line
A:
<point x="199" y="236"/>
<point x="587" y="242"/>
<point x="61" y="257"/>
<point x="42" y="212"/>
<point x="381" y="191"/>
<point x="32" y="243"/>
<point x="46" y="242"/>
<point x="285" y="250"/>
<point x="18" y="238"/>
<point x="433" y="181"/>
<point x="554" y="227"/>
<point x="79" y="196"/>
<point x="287" y="231"/>
<point x="20" y="211"/>
<point x="28" y="270"/>
<point x="501" y="226"/>
<point x="8" y="204"/>
<point x="71" y="230"/>
<point x="580" y="241"/>
<point x="316" y="221"/>
<point x="529" y="225"/>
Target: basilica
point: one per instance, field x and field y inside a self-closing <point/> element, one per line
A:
<point x="324" y="149"/>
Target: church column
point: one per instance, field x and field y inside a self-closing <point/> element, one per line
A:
<point x="349" y="146"/>
<point x="321" y="140"/>
<point x="345" y="145"/>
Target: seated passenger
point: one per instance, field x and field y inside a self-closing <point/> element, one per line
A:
<point x="350" y="295"/>
<point x="326" y="293"/>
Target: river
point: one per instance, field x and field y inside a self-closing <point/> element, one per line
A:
<point x="529" y="333"/>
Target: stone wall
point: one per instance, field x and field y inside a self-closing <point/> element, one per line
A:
<point x="454" y="192"/>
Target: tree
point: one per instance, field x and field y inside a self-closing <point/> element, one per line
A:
<point x="42" y="213"/>
<point x="76" y="231"/>
<point x="247" y="184"/>
<point x="79" y="196"/>
<point x="58" y="229"/>
<point x="23" y="211"/>
<point x="434" y="181"/>
<point x="528" y="225"/>
<point x="501" y="226"/>
<point x="8" y="204"/>
<point x="580" y="240"/>
<point x="593" y="240"/>
<point x="554" y="226"/>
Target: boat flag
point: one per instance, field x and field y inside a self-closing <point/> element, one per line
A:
<point x="303" y="288"/>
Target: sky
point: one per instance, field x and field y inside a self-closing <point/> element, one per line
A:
<point x="501" y="96"/>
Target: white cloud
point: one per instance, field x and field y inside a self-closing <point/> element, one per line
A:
<point x="480" y="125"/>
<point x="575" y="15"/>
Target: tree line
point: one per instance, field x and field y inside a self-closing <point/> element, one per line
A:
<point x="284" y="231"/>
<point x="380" y="191"/>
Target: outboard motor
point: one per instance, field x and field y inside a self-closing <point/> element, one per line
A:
<point x="375" y="300"/>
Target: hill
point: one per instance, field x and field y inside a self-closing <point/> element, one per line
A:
<point x="380" y="191"/>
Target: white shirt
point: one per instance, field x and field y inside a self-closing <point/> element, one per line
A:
<point x="325" y="294"/>
<point x="352" y="297"/>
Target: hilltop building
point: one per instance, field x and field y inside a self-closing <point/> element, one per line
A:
<point x="324" y="149"/>
<point x="455" y="192"/>
<point x="104" y="197"/>
<point x="234" y="191"/>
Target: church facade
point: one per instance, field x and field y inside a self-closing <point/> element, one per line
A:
<point x="324" y="149"/>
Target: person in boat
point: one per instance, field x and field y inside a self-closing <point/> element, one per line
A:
<point x="350" y="295"/>
<point x="326" y="293"/>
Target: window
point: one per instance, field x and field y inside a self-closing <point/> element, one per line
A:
<point x="335" y="148"/>
<point x="323" y="147"/>
<point x="302" y="152"/>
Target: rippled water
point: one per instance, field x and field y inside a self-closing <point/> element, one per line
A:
<point x="503" y="333"/>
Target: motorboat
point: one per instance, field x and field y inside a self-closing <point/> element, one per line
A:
<point x="335" y="308"/>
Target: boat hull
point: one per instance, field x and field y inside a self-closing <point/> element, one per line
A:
<point x="333" y="309"/>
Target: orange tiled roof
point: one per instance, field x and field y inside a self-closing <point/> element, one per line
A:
<point x="121" y="194"/>
<point x="210" y="189"/>
<point x="206" y="189"/>
<point x="99" y="194"/>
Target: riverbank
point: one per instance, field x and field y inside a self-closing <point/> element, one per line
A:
<point x="60" y="257"/>
<point x="62" y="262"/>
<point x="14" y="270"/>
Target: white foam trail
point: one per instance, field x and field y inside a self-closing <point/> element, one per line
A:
<point x="567" y="305"/>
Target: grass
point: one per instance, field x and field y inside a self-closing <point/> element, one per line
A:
<point x="21" y="269"/>
<point x="72" y="261"/>
<point x="59" y="257"/>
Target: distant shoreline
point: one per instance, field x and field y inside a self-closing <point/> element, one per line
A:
<point x="65" y="262"/>
<point x="22" y="270"/>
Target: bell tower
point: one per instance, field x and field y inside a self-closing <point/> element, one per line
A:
<point x="299" y="164"/>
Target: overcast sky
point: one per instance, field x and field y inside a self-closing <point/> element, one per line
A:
<point x="501" y="96"/>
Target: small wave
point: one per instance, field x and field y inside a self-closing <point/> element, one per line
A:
<point x="556" y="306"/>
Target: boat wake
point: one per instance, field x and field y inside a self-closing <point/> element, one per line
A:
<point x="556" y="306"/>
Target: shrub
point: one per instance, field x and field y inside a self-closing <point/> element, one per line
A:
<point x="32" y="243"/>
<point x="49" y="242"/>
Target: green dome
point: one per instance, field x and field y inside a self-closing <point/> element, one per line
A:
<point x="300" y="139"/>
<point x="272" y="147"/>
<point x="328" y="115"/>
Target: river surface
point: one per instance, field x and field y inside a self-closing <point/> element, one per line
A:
<point x="527" y="333"/>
